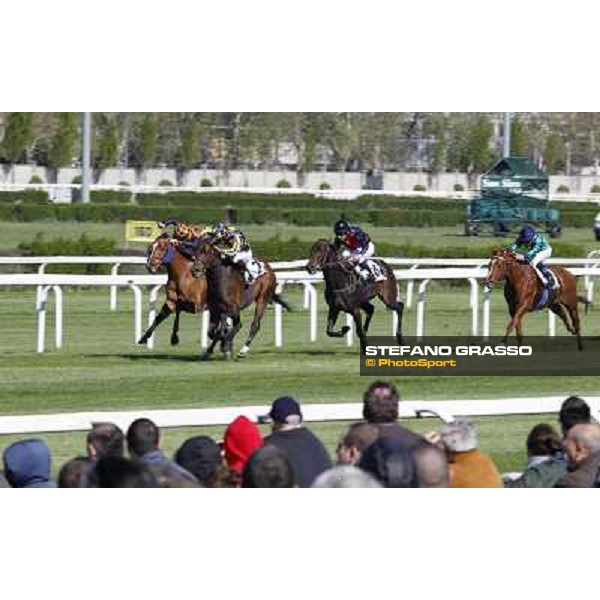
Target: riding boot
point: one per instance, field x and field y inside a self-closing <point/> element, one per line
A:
<point x="548" y="276"/>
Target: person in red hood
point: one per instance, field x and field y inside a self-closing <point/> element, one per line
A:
<point x="242" y="438"/>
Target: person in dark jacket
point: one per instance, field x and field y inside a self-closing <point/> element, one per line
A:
<point x="305" y="451"/>
<point x="390" y="463"/>
<point x="381" y="408"/>
<point x="200" y="456"/>
<point x="546" y="462"/>
<point x="27" y="464"/>
<point x="143" y="445"/>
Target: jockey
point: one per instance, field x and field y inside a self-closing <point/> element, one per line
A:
<point x="231" y="243"/>
<point x="357" y="246"/>
<point x="533" y="249"/>
<point x="188" y="236"/>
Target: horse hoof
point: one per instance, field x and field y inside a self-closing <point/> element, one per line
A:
<point x="205" y="356"/>
<point x="143" y="340"/>
<point x="174" y="341"/>
<point x="243" y="351"/>
<point x="345" y="329"/>
<point x="228" y="355"/>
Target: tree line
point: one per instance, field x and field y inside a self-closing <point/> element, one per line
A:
<point x="436" y="142"/>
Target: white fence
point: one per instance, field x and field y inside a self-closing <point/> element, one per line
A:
<point x="420" y="270"/>
<point x="197" y="417"/>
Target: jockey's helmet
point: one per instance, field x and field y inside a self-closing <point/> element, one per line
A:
<point x="526" y="235"/>
<point x="341" y="227"/>
<point x="182" y="230"/>
<point x="220" y="229"/>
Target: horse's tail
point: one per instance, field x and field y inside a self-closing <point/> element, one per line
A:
<point x="279" y="300"/>
<point x="585" y="302"/>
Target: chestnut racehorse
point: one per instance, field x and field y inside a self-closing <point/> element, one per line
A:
<point x="522" y="292"/>
<point x="346" y="292"/>
<point x="228" y="295"/>
<point x="184" y="292"/>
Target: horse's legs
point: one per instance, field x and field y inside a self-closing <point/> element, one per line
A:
<point x="369" y="309"/>
<point x="175" y="332"/>
<point x="515" y="322"/>
<point x="214" y="335"/>
<point x="388" y="296"/>
<point x="234" y="325"/>
<point x="332" y="316"/>
<point x="559" y="309"/>
<point x="574" y="313"/>
<point x="254" y="327"/>
<point x="164" y="313"/>
<point x="360" y="332"/>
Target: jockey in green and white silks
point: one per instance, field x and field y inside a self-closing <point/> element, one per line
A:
<point x="533" y="249"/>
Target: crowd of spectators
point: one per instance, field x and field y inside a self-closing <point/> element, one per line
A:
<point x="376" y="452"/>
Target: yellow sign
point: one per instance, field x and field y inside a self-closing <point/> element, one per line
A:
<point x="141" y="231"/>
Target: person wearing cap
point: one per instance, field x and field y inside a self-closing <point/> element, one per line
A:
<point x="306" y="453"/>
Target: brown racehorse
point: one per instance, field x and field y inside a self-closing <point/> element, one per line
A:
<point x="522" y="292"/>
<point x="228" y="295"/>
<point x="346" y="292"/>
<point x="184" y="292"/>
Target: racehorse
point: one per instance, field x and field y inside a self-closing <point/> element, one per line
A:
<point x="523" y="292"/>
<point x="228" y="295"/>
<point x="184" y="292"/>
<point x="345" y="291"/>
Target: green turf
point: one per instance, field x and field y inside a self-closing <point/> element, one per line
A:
<point x="101" y="368"/>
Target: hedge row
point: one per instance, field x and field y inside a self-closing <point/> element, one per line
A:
<point x="25" y="197"/>
<point x="242" y="216"/>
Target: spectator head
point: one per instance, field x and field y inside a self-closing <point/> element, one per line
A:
<point x="581" y="442"/>
<point x="380" y="403"/>
<point x="459" y="436"/>
<point x="268" y="467"/>
<point x="574" y="411"/>
<point x="390" y="463"/>
<point x="201" y="456"/>
<point x="119" y="472"/>
<point x="357" y="438"/>
<point x="345" y="476"/>
<point x="105" y="439"/>
<point x="27" y="464"/>
<point x="167" y="477"/>
<point x="142" y="437"/>
<point x="242" y="438"/>
<point x="73" y="474"/>
<point x="285" y="413"/>
<point x="432" y="467"/>
<point x="543" y="440"/>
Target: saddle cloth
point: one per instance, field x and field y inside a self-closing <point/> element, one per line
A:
<point x="377" y="271"/>
<point x="258" y="270"/>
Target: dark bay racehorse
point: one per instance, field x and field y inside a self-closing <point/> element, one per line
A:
<point x="345" y="291"/>
<point x="184" y="292"/>
<point x="228" y="295"/>
<point x="523" y="293"/>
